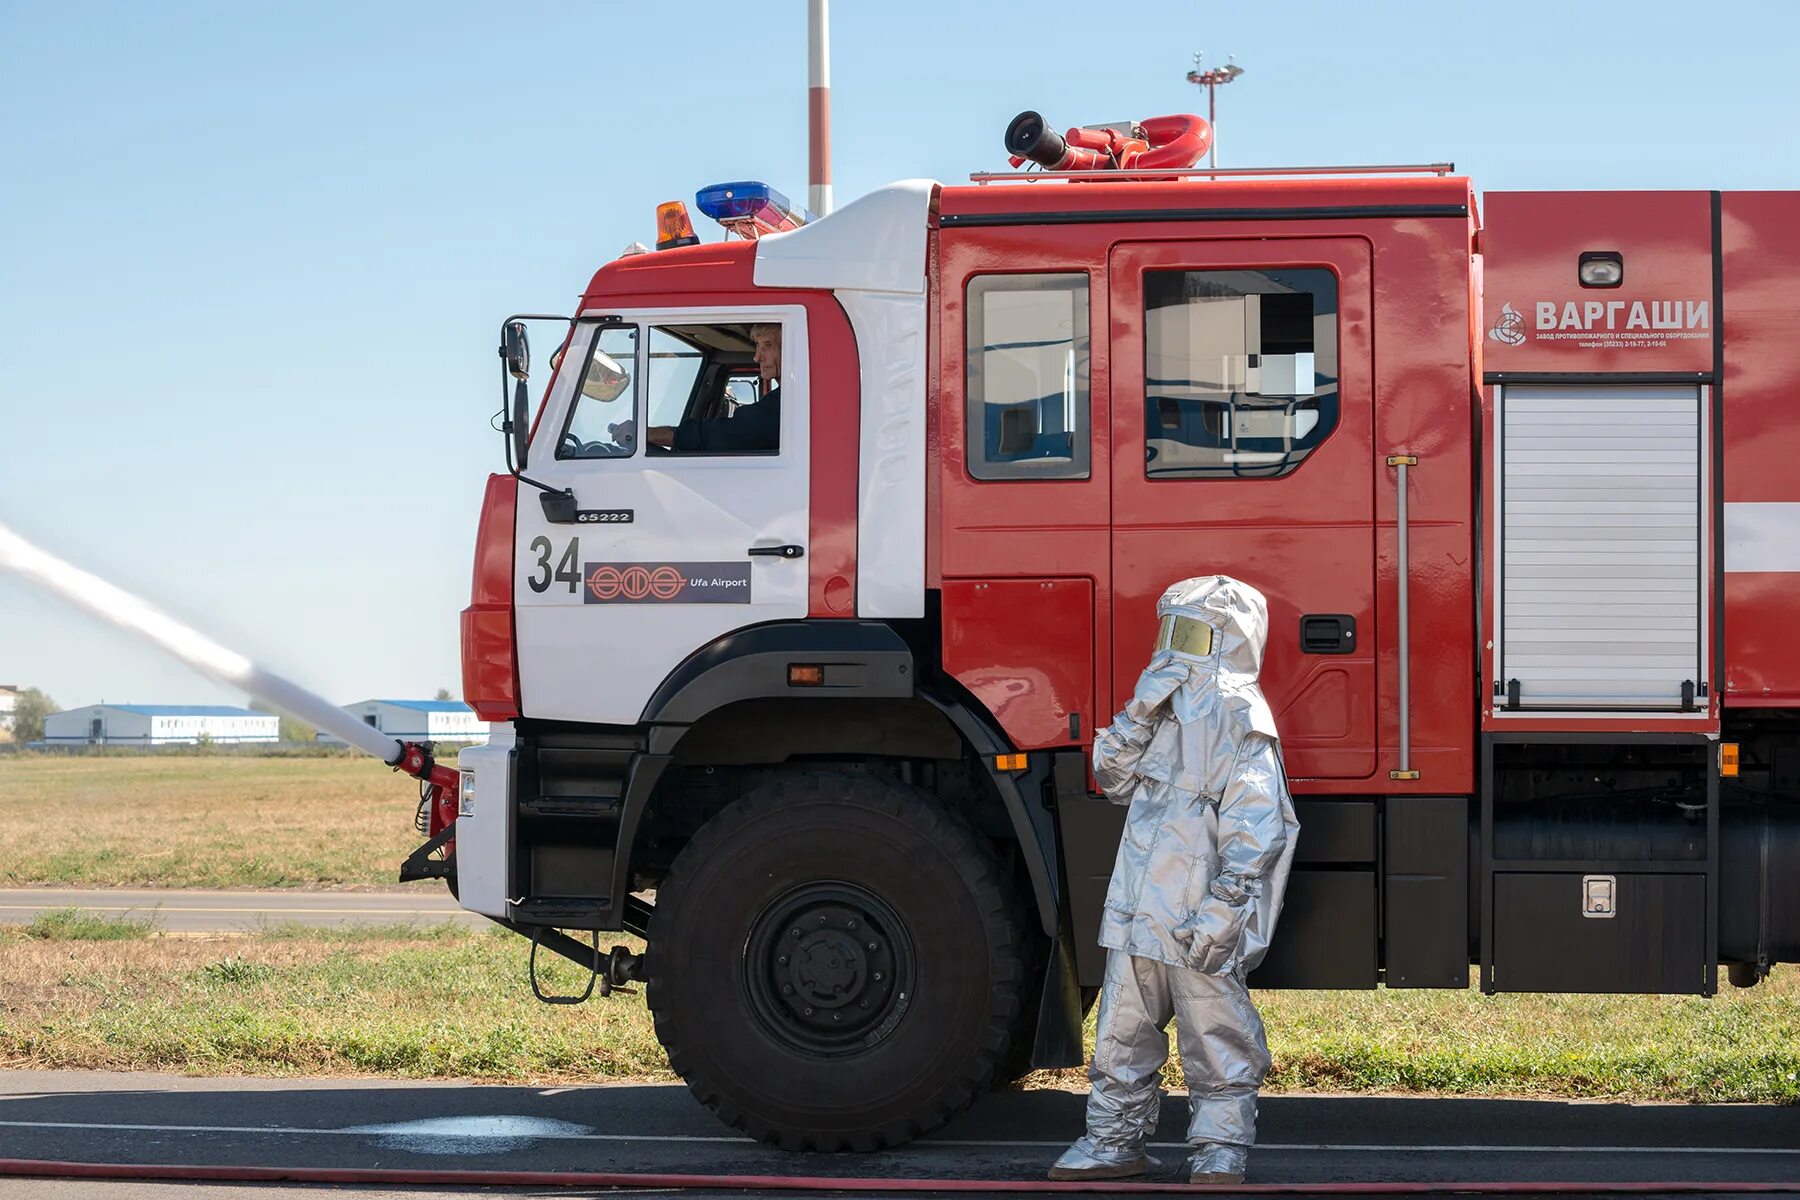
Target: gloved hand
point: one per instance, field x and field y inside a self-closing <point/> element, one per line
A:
<point x="1119" y="747"/>
<point x="1216" y="932"/>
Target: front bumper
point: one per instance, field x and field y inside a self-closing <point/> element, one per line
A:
<point x="484" y="823"/>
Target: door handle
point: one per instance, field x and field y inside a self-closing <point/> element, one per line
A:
<point x="1328" y="634"/>
<point x="776" y="552"/>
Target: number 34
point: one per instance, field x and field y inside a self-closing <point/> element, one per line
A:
<point x="566" y="571"/>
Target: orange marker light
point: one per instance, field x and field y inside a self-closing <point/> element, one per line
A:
<point x="1728" y="759"/>
<point x="1009" y="762"/>
<point x="805" y="676"/>
<point x="673" y="226"/>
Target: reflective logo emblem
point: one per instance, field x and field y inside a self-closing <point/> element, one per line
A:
<point x="1510" y="328"/>
<point x="666" y="583"/>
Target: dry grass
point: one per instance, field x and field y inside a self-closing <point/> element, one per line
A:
<point x="78" y="992"/>
<point x="445" y="1003"/>
<point x="453" y="1003"/>
<point x="202" y="821"/>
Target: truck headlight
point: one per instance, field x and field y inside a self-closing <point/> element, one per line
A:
<point x="465" y="796"/>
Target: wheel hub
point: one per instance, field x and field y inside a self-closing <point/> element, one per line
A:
<point x="828" y="969"/>
<point x="827" y="964"/>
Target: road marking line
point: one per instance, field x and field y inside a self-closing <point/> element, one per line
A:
<point x="279" y="912"/>
<point x="237" y="893"/>
<point x="926" y="1144"/>
<point x="288" y="1129"/>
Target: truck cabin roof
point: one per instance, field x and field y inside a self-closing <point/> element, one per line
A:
<point x="727" y="266"/>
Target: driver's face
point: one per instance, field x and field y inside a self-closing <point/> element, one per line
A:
<point x="768" y="355"/>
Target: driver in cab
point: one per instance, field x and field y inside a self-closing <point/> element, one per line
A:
<point x="754" y="428"/>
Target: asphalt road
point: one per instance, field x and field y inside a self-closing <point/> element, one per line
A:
<point x="181" y="911"/>
<point x="126" y="1118"/>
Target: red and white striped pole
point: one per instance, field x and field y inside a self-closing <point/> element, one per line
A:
<point x="818" y="107"/>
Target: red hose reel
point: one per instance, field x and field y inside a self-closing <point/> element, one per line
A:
<point x="1158" y="143"/>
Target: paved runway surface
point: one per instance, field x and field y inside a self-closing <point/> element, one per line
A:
<point x="123" y="1118"/>
<point x="181" y="911"/>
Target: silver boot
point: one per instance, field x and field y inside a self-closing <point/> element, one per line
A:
<point x="1214" y="1163"/>
<point x="1085" y="1160"/>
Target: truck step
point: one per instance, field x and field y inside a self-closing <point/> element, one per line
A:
<point x="565" y="912"/>
<point x="597" y="807"/>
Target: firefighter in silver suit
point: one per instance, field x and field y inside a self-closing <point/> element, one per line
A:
<point x="1195" y="890"/>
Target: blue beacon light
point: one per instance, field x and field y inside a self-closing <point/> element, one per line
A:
<point x="748" y="209"/>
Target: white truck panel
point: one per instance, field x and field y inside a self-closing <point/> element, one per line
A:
<point x="601" y="662"/>
<point x="876" y="243"/>
<point x="871" y="253"/>
<point x="890" y="491"/>
<point x="483" y="826"/>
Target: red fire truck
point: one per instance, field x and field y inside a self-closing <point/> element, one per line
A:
<point x="810" y="712"/>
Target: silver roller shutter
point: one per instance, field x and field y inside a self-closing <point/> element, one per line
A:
<point x="1600" y="544"/>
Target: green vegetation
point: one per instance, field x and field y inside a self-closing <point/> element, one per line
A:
<point x="74" y="925"/>
<point x="88" y="991"/>
<point x="222" y="820"/>
<point x="453" y="1003"/>
<point x="29" y="712"/>
<point x="1742" y="1045"/>
<point x="293" y="729"/>
<point x="437" y="1004"/>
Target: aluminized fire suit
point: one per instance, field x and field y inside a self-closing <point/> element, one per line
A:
<point x="1195" y="890"/>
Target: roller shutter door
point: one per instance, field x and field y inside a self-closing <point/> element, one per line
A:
<point x="1600" y="544"/>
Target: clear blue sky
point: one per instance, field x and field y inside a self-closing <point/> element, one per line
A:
<point x="254" y="255"/>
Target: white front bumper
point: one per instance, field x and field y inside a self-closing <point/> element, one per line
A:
<point x="484" y="824"/>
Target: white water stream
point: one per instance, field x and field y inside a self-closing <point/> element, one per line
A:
<point x="129" y="612"/>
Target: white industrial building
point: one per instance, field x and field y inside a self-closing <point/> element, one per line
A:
<point x="159" y="725"/>
<point x="419" y="720"/>
<point x="9" y="701"/>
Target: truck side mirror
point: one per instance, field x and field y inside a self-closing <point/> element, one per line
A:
<point x="521" y="422"/>
<point x="515" y="349"/>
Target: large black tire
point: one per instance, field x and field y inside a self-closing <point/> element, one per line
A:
<point x="766" y="992"/>
<point x="1017" y="1063"/>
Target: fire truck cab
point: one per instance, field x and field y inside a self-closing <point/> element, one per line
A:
<point x="812" y="714"/>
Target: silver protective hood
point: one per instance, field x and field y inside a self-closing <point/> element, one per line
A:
<point x="1208" y="842"/>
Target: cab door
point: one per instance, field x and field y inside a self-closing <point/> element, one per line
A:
<point x="667" y="551"/>
<point x="1243" y="445"/>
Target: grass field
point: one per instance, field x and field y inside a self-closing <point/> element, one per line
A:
<point x="81" y="992"/>
<point x="202" y="821"/>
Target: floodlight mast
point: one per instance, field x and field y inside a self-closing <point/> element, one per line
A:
<point x="1211" y="81"/>
<point x="818" y="107"/>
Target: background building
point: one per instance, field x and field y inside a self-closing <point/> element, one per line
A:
<point x="9" y="699"/>
<point x="158" y="725"/>
<point x="418" y="720"/>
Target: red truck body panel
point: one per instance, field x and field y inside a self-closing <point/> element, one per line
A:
<point x="1676" y="294"/>
<point x="1047" y="586"/>
<point x="1532" y="243"/>
<point x="1760" y="235"/>
<point x="1319" y="540"/>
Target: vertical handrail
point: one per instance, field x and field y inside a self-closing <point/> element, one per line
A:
<point x="1405" y="771"/>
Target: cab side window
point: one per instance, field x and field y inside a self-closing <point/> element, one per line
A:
<point x="1027" y="347"/>
<point x="715" y="389"/>
<point x="602" y="420"/>
<point x="1240" y="371"/>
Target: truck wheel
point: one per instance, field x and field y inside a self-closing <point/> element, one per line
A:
<point x="1017" y="1063"/>
<point x="834" y="964"/>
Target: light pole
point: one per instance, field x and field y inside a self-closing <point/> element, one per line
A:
<point x="1210" y="80"/>
<point x="818" y="107"/>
